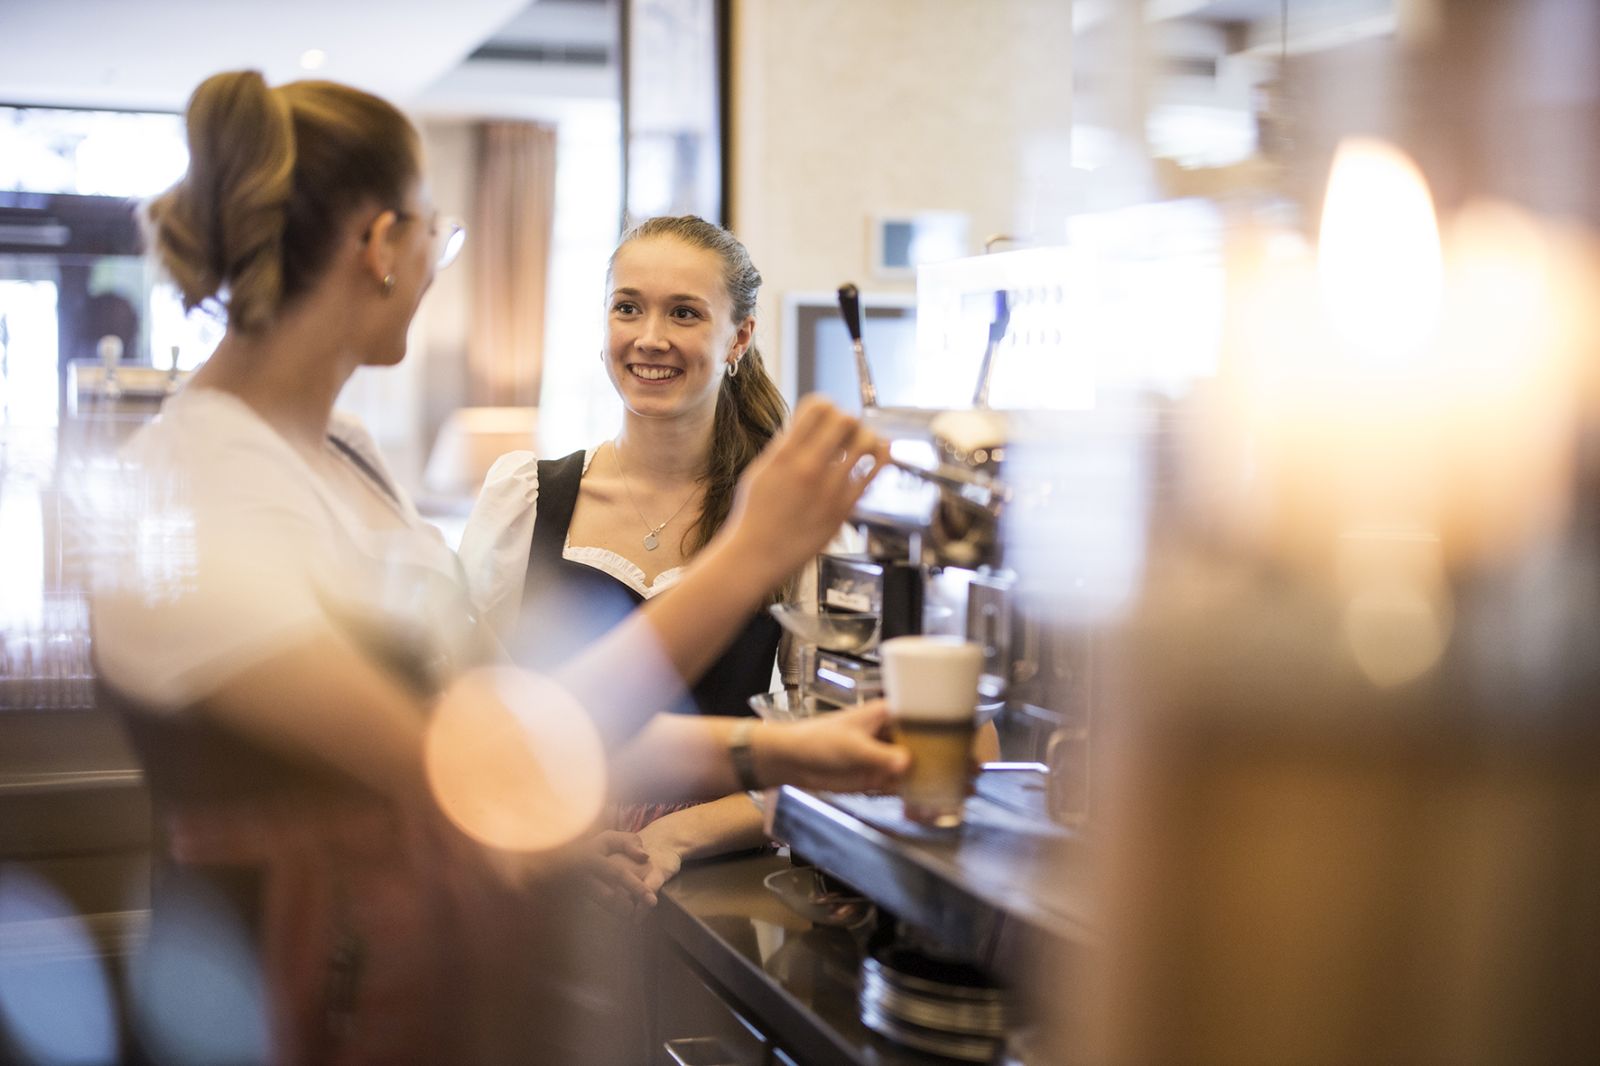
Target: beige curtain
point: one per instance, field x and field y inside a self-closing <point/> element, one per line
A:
<point x="509" y="244"/>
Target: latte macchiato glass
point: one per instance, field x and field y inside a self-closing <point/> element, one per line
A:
<point x="932" y="687"/>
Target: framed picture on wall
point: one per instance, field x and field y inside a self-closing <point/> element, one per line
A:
<point x="675" y="108"/>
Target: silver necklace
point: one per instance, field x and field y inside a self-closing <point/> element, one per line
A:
<point x="652" y="539"/>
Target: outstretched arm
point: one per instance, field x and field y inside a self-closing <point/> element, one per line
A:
<point x="686" y="757"/>
<point x="791" y="501"/>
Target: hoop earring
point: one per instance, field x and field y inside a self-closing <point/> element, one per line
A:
<point x="733" y="369"/>
<point x="388" y="284"/>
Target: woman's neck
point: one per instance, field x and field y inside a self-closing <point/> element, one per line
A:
<point x="664" y="451"/>
<point x="290" y="374"/>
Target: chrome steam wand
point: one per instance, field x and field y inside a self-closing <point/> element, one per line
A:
<point x="850" y="308"/>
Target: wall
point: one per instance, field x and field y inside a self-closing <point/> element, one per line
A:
<point x="845" y="109"/>
<point x="442" y="324"/>
<point x="403" y="405"/>
<point x="577" y="406"/>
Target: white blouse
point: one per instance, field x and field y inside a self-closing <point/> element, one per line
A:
<point x="221" y="545"/>
<point x="495" y="544"/>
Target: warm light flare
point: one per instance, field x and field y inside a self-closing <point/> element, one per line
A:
<point x="1405" y="377"/>
<point x="1395" y="633"/>
<point x="1501" y="319"/>
<point x="1507" y="377"/>
<point x="1379" y="262"/>
<point x="515" y="761"/>
<point x="1398" y="612"/>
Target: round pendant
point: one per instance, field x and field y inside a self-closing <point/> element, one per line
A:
<point x="651" y="542"/>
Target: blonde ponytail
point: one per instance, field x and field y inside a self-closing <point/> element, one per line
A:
<point x="271" y="174"/>
<point x="219" y="231"/>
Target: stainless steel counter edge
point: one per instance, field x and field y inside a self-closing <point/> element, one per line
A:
<point x="923" y="881"/>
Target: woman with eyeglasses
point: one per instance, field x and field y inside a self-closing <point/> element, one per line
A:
<point x="278" y="625"/>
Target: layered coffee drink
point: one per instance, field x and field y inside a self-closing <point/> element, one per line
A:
<point x="935" y="785"/>
<point x="932" y="687"/>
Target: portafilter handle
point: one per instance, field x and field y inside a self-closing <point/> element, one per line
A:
<point x="850" y="310"/>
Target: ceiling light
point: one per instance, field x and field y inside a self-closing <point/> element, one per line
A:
<point x="312" y="59"/>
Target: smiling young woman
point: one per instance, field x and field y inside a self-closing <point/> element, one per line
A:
<point x="680" y="353"/>
<point x="559" y="550"/>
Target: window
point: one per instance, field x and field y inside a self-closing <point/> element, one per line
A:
<point x="71" y="268"/>
<point x="90" y="153"/>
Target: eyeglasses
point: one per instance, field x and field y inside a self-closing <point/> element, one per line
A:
<point x="449" y="234"/>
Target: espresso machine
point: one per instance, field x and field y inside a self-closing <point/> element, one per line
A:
<point x="936" y="506"/>
<point x="954" y="537"/>
<point x="933" y="558"/>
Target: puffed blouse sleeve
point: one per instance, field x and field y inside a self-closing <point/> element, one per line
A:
<point x="499" y="532"/>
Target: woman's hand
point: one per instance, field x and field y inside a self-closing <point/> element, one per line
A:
<point x="619" y="871"/>
<point x="843" y="751"/>
<point x="625" y="871"/>
<point x="792" y="499"/>
<point x="662" y="859"/>
<point x="798" y="492"/>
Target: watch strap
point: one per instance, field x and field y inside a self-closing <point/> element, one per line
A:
<point x="740" y="755"/>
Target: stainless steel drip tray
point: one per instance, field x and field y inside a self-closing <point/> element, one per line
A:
<point x="988" y="826"/>
<point x="1022" y="787"/>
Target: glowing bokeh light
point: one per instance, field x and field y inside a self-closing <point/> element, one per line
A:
<point x="1396" y="632"/>
<point x="1379" y="262"/>
<point x="55" y="999"/>
<point x="196" y="982"/>
<point x="515" y="761"/>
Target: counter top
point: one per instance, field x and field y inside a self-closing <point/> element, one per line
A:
<point x="1009" y="890"/>
<point x="1003" y="877"/>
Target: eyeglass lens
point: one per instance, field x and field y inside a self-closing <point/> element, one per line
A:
<point x="452" y="235"/>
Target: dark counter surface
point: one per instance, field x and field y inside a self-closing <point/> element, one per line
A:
<point x="1009" y="891"/>
<point x="798" y="980"/>
<point x="1007" y="874"/>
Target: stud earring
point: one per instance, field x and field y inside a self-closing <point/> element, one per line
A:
<point x="388" y="284"/>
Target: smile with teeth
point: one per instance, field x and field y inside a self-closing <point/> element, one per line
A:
<point x="653" y="373"/>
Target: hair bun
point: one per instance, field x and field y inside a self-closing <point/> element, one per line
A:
<point x="218" y="233"/>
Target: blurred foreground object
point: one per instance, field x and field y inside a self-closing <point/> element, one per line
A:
<point x="1351" y="809"/>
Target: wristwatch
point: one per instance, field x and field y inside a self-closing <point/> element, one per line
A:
<point x="739" y="754"/>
